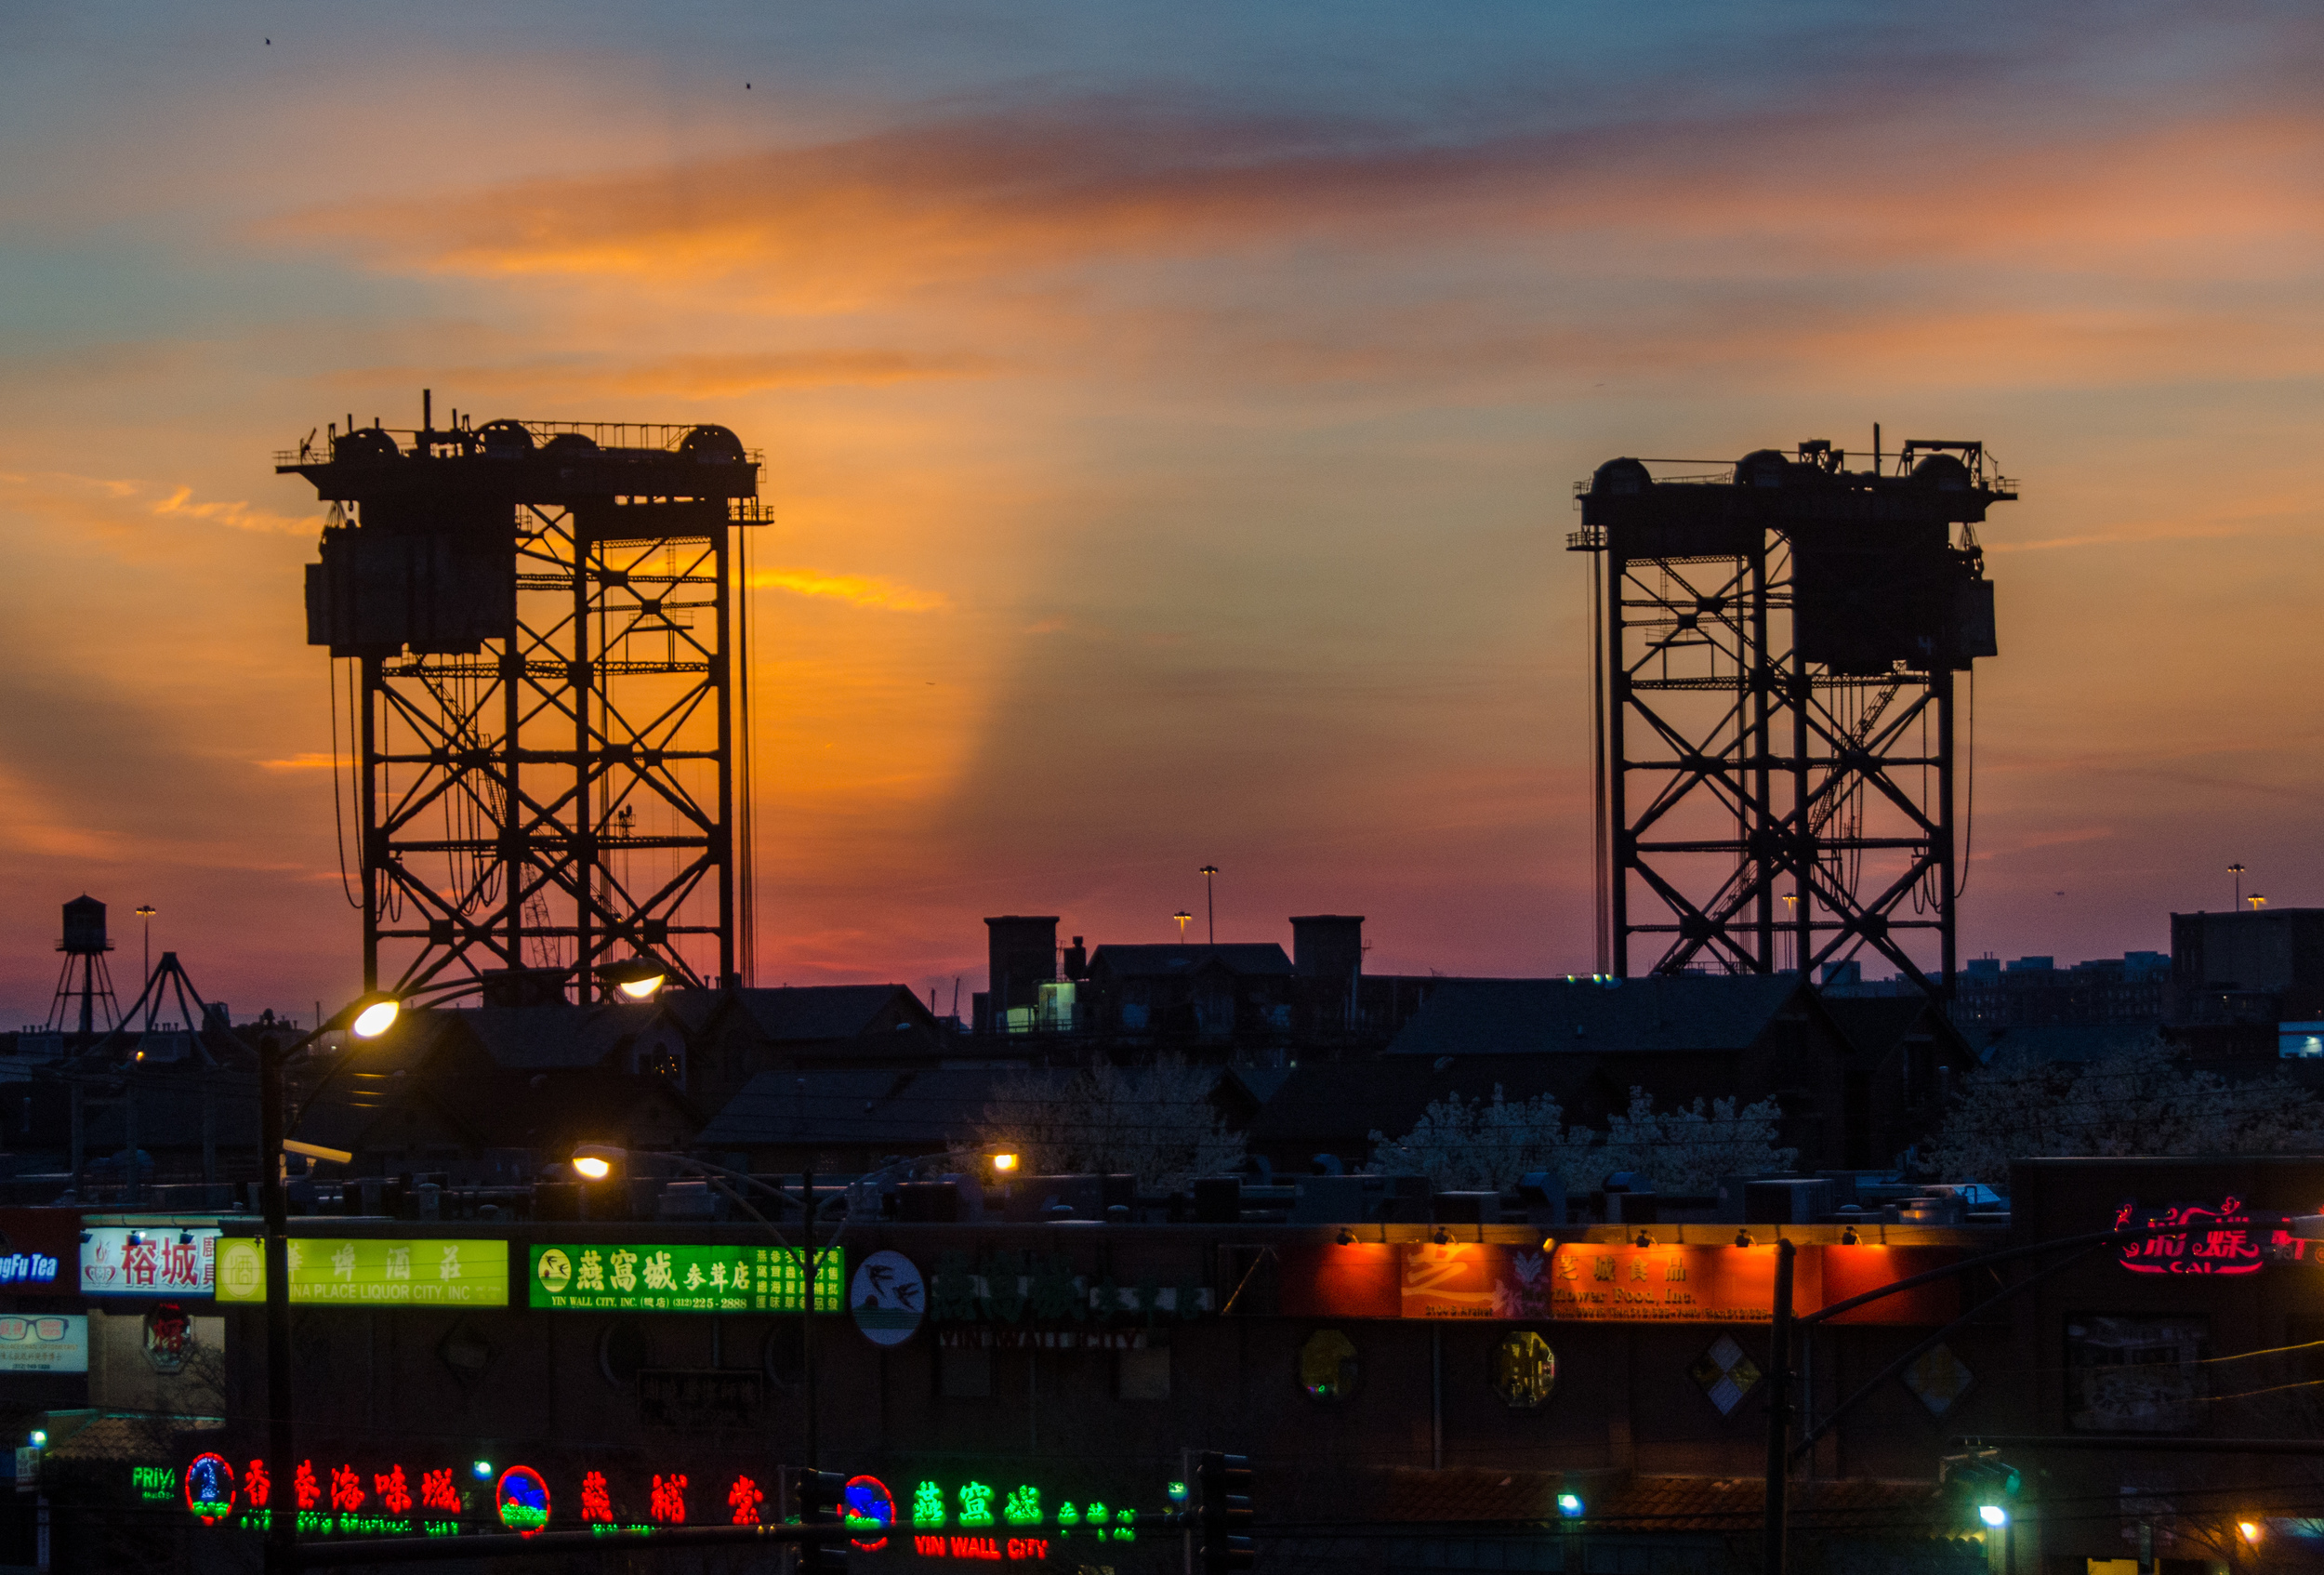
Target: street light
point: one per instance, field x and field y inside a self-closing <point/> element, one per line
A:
<point x="1210" y="872"/>
<point x="639" y="979"/>
<point x="368" y="1016"/>
<point x="1993" y="1516"/>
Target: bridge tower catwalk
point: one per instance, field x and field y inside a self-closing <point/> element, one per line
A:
<point x="1775" y="649"/>
<point x="545" y="697"/>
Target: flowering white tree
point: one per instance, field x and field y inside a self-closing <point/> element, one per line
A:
<point x="1688" y="1148"/>
<point x="1488" y="1144"/>
<point x="2140" y="1101"/>
<point x="1478" y="1145"/>
<point x="1155" y="1123"/>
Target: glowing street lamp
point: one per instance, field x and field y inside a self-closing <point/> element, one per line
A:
<point x="1004" y="1164"/>
<point x="368" y="1016"/>
<point x="639" y="979"/>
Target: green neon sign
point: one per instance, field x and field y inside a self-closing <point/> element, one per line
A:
<point x="1020" y="1506"/>
<point x="653" y="1277"/>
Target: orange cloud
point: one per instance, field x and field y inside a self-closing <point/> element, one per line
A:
<point x="856" y="590"/>
<point x="702" y="377"/>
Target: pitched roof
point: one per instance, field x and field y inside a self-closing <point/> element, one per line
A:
<point x="1538" y="1016"/>
<point x="534" y="1039"/>
<point x="1246" y="958"/>
<point x="821" y="1011"/>
<point x="903" y="1107"/>
<point x="1345" y="1102"/>
<point x="2058" y="1041"/>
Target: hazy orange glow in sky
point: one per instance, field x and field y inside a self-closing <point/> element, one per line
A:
<point x="1170" y="416"/>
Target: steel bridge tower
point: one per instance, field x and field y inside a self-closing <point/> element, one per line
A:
<point x="1774" y="652"/>
<point x="545" y="698"/>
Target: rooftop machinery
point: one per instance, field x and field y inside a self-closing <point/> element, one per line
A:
<point x="1774" y="647"/>
<point x="547" y="695"/>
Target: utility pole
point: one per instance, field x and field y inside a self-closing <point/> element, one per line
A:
<point x="1778" y="1410"/>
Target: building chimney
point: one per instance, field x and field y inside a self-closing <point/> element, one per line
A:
<point x="1022" y="953"/>
<point x="1329" y="946"/>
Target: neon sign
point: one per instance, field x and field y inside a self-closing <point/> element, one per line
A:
<point x="210" y="1487"/>
<point x="646" y="1278"/>
<point x="1021" y="1507"/>
<point x="743" y="1497"/>
<point x="27" y="1268"/>
<point x="522" y="1499"/>
<point x="870" y="1505"/>
<point x="1002" y="1520"/>
<point x="2221" y="1238"/>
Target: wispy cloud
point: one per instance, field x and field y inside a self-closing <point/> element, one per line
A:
<point x="856" y="590"/>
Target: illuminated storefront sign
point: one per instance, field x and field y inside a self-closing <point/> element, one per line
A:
<point x="45" y="1344"/>
<point x="27" y="1268"/>
<point x="373" y="1273"/>
<point x="649" y="1277"/>
<point x="1603" y="1282"/>
<point x="158" y="1260"/>
<point x="2222" y="1238"/>
<point x="1001" y="1519"/>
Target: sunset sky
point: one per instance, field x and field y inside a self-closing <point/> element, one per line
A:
<point x="1171" y="413"/>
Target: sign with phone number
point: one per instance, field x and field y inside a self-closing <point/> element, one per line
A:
<point x="652" y="1277"/>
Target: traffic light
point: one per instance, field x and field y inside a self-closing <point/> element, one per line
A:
<point x="822" y="1501"/>
<point x="1223" y="1513"/>
<point x="1990" y="1482"/>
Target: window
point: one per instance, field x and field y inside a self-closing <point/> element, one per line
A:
<point x="1327" y="1366"/>
<point x="2135" y="1374"/>
<point x="1525" y="1371"/>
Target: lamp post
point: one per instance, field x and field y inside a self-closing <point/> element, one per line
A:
<point x="1210" y="872"/>
<point x="367" y="1017"/>
<point x="146" y="911"/>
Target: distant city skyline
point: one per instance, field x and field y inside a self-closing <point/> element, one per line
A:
<point x="1170" y="418"/>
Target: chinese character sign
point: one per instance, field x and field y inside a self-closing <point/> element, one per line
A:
<point x="2225" y="1237"/>
<point x="367" y="1273"/>
<point x="660" y="1278"/>
<point x="158" y="1260"/>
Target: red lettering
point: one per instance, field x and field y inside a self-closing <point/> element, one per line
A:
<point x="975" y="1547"/>
<point x="928" y="1547"/>
<point x="1022" y="1548"/>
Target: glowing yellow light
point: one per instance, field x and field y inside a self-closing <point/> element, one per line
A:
<point x="2251" y="1529"/>
<point x="594" y="1168"/>
<point x="641" y="989"/>
<point x="376" y="1019"/>
<point x="1004" y="1161"/>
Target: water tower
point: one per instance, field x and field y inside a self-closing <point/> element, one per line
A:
<point x="86" y="978"/>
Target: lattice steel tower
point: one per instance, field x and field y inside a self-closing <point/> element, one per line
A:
<point x="1774" y="647"/>
<point x="547" y="696"/>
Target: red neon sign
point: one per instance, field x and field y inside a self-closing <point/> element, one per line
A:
<point x="668" y="1501"/>
<point x="2221" y="1238"/>
<point x="745" y="1496"/>
<point x="437" y="1492"/>
<point x="1014" y="1549"/>
<point x="255" y="1484"/>
<point x="596" y="1502"/>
